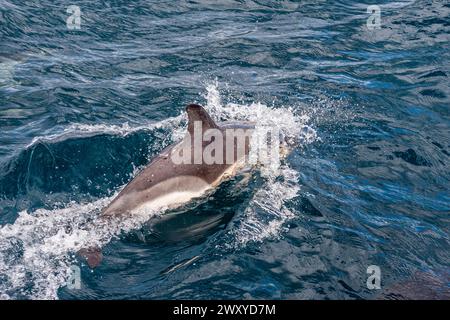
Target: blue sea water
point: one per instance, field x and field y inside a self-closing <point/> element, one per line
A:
<point x="83" y="110"/>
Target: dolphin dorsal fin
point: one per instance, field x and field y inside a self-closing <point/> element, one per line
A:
<point x="198" y="113"/>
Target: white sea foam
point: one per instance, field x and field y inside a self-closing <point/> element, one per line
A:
<point x="37" y="250"/>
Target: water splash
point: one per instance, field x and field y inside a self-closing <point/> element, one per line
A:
<point x="35" y="251"/>
<point x="267" y="212"/>
<point x="38" y="250"/>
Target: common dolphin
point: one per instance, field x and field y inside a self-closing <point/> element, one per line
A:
<point x="207" y="155"/>
<point x="187" y="169"/>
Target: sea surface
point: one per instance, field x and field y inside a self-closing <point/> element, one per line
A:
<point x="84" y="107"/>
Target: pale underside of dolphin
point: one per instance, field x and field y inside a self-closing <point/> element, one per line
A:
<point x="167" y="184"/>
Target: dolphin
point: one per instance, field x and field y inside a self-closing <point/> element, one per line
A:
<point x="169" y="182"/>
<point x="208" y="154"/>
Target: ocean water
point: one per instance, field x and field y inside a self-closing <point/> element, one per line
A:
<point x="367" y="184"/>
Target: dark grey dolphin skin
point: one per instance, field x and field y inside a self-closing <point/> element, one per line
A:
<point x="165" y="183"/>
